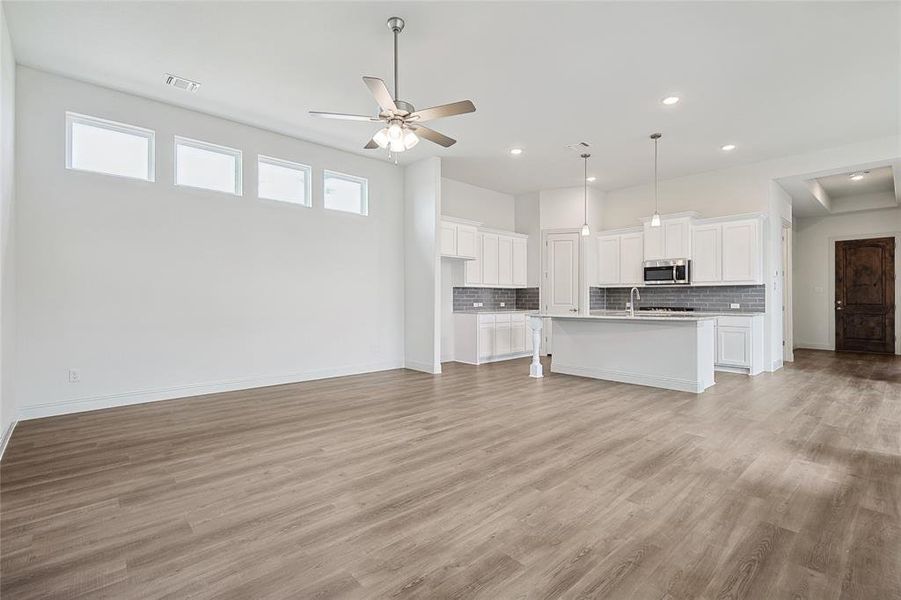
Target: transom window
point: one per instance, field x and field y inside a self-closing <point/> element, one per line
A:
<point x="207" y="166"/>
<point x="346" y="193"/>
<point x="103" y="146"/>
<point x="283" y="180"/>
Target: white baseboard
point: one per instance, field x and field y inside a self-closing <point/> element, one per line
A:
<point x="430" y="368"/>
<point x="6" y="435"/>
<point x="669" y="383"/>
<point x="75" y="405"/>
<point x="814" y="346"/>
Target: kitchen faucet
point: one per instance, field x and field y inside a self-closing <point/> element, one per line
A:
<point x="634" y="295"/>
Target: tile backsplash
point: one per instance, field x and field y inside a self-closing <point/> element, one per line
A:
<point x="751" y="298"/>
<point x="491" y="298"/>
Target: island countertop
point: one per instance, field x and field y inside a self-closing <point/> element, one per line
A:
<point x="622" y="315"/>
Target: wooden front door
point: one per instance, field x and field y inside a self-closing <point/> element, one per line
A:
<point x="865" y="295"/>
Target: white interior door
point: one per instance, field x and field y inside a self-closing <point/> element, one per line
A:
<point x="561" y="293"/>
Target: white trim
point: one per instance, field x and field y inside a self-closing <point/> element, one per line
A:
<point x="670" y="383"/>
<point x="87" y="403"/>
<point x="814" y="346"/>
<point x="493" y="359"/>
<point x="73" y="118"/>
<point x="4" y="441"/>
<point x="364" y="184"/>
<point x="423" y="367"/>
<point x="295" y="166"/>
<point x="210" y="147"/>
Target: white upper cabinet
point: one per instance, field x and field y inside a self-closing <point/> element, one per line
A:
<point x="490" y="259"/>
<point x="520" y="271"/>
<point x="671" y="240"/>
<point x="608" y="260"/>
<point x="707" y="264"/>
<point x="457" y="240"/>
<point x="619" y="259"/>
<point x="727" y="252"/>
<point x="448" y="239"/>
<point x="631" y="256"/>
<point x="742" y="251"/>
<point x="505" y="261"/>
<point x="472" y="269"/>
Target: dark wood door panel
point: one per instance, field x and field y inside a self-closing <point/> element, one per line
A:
<point x="865" y="295"/>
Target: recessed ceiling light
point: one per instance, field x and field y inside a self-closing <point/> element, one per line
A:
<point x="858" y="175"/>
<point x="591" y="179"/>
<point x="516" y="151"/>
<point x="728" y="147"/>
<point x="669" y="100"/>
<point x="182" y="83"/>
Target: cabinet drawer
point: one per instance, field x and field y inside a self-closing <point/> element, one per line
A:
<point x="502" y="318"/>
<point x="518" y="318"/>
<point x="734" y="321"/>
<point x="486" y="319"/>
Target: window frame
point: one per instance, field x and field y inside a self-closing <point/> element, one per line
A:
<point x="211" y="147"/>
<point x="326" y="173"/>
<point x="73" y="118"/>
<point x="288" y="164"/>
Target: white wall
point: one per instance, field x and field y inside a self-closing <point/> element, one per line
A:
<point x="465" y="201"/>
<point x="528" y="221"/>
<point x="565" y="208"/>
<point x="814" y="270"/>
<point x="154" y="291"/>
<point x="8" y="404"/>
<point x="779" y="213"/>
<point x="422" y="264"/>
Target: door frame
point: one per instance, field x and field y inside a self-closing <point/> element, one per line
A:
<point x="830" y="280"/>
<point x="788" y="334"/>
<point x="583" y="271"/>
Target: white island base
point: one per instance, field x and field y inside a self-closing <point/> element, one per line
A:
<point x="670" y="353"/>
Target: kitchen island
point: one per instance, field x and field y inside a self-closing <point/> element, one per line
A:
<point x="674" y="352"/>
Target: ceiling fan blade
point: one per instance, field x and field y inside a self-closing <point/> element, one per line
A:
<point x="342" y="116"/>
<point x="370" y="145"/>
<point x="433" y="136"/>
<point x="445" y="110"/>
<point x="380" y="92"/>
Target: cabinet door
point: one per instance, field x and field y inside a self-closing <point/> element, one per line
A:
<point x="518" y="338"/>
<point x="741" y="251"/>
<point x="706" y="264"/>
<point x="631" y="247"/>
<point x="733" y="346"/>
<point x="448" y="239"/>
<point x="489" y="259"/>
<point x="653" y="242"/>
<point x="505" y="261"/>
<point x="473" y="268"/>
<point x="503" y="339"/>
<point x="609" y="260"/>
<point x="486" y="340"/>
<point x="520" y="271"/>
<point x="466" y="241"/>
<point x="676" y="239"/>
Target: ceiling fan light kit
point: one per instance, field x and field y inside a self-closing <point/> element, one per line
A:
<point x="403" y="123"/>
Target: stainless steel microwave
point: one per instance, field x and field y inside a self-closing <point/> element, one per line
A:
<point x="668" y="271"/>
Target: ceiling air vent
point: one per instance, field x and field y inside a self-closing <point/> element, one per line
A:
<point x="181" y="83"/>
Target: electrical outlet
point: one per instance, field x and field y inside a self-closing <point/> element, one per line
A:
<point x="74" y="375"/>
<point x="628" y="305"/>
<point x="734" y="305"/>
<point x="503" y="304"/>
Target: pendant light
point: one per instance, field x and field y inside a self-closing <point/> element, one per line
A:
<point x="655" y="220"/>
<point x="586" y="230"/>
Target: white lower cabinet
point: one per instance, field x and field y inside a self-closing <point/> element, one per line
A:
<point x="489" y="337"/>
<point x="739" y="344"/>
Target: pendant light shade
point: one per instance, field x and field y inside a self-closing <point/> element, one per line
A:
<point x="586" y="230"/>
<point x="655" y="220"/>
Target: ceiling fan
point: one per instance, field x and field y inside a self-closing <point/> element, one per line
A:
<point x="403" y="123"/>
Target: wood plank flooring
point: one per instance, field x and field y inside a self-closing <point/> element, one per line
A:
<point x="479" y="483"/>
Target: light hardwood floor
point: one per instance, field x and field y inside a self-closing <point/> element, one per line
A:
<point x="479" y="483"/>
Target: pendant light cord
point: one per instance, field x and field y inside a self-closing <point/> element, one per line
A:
<point x="656" y="202"/>
<point x="585" y="156"/>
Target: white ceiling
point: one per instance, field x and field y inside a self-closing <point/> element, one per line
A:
<point x="775" y="78"/>
<point x="875" y="181"/>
